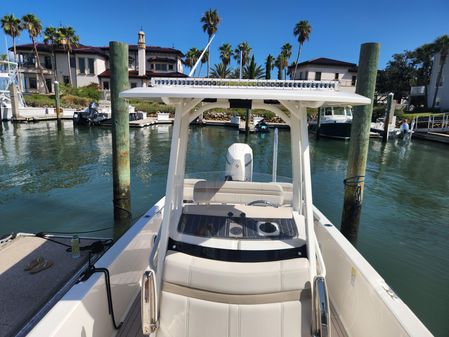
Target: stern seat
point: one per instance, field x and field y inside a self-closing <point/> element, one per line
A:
<point x="204" y="298"/>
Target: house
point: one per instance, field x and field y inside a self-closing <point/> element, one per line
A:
<point x="442" y="98"/>
<point x="325" y="69"/>
<point x="89" y="64"/>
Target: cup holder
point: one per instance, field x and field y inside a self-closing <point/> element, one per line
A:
<point x="267" y="228"/>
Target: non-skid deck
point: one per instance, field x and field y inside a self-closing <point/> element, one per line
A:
<point x="23" y="295"/>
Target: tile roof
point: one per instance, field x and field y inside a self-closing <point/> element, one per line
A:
<point x="103" y="51"/>
<point x="323" y="61"/>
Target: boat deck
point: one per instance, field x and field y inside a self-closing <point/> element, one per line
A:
<point x="132" y="326"/>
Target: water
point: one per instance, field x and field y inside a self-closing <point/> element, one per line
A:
<point x="60" y="180"/>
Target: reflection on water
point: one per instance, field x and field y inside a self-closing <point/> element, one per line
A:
<point x="60" y="180"/>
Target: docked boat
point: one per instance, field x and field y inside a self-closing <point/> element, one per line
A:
<point x="261" y="126"/>
<point x="234" y="253"/>
<point x="335" y="122"/>
<point x="100" y="114"/>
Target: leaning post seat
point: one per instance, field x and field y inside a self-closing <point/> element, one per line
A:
<point x="204" y="297"/>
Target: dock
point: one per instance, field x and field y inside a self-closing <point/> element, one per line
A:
<point x="432" y="136"/>
<point x="26" y="296"/>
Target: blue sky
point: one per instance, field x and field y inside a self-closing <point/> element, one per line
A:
<point x="338" y="27"/>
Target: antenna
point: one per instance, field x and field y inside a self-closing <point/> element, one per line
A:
<point x="202" y="54"/>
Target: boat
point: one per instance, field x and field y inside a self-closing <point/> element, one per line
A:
<point x="335" y="122"/>
<point x="9" y="75"/>
<point x="379" y="124"/>
<point x="234" y="253"/>
<point x="260" y="125"/>
<point x="100" y="114"/>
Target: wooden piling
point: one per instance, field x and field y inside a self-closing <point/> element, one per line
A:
<point x="14" y="95"/>
<point x="318" y="124"/>
<point x="389" y="113"/>
<point x="120" y="138"/>
<point x="247" y="122"/>
<point x="358" y="145"/>
<point x="57" y="101"/>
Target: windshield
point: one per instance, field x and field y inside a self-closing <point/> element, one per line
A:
<point x="339" y="111"/>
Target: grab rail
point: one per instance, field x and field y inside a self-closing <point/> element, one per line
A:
<point x="321" y="317"/>
<point x="150" y="321"/>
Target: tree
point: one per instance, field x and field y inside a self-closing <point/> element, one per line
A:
<point x="281" y="63"/>
<point x="397" y="77"/>
<point x="220" y="70"/>
<point x="442" y="46"/>
<point x="69" y="39"/>
<point x="269" y="65"/>
<point x="33" y="25"/>
<point x="302" y="31"/>
<point x="52" y="38"/>
<point x="203" y="60"/>
<point x="225" y="53"/>
<point x="245" y="50"/>
<point x="286" y="51"/>
<point x="191" y="57"/>
<point x="12" y="27"/>
<point x="253" y="71"/>
<point x="210" y="21"/>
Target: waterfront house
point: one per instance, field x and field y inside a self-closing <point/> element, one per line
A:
<point x="326" y="69"/>
<point x="442" y="99"/>
<point x="90" y="64"/>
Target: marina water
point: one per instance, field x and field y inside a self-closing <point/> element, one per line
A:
<point x="59" y="180"/>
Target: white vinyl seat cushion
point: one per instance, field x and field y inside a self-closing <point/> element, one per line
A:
<point x="181" y="316"/>
<point x="236" y="277"/>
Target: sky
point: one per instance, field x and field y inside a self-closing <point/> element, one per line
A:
<point x="339" y="27"/>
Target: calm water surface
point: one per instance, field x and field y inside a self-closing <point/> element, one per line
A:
<point x="60" y="180"/>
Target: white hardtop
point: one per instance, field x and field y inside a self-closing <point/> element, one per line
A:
<point x="309" y="93"/>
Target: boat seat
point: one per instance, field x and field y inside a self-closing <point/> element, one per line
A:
<point x="203" y="298"/>
<point x="236" y="277"/>
<point x="205" y="192"/>
<point x="189" y="187"/>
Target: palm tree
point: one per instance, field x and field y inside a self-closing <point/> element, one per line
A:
<point x="220" y="70"/>
<point x="286" y="50"/>
<point x="442" y="44"/>
<point x="52" y="38"/>
<point x="191" y="57"/>
<point x="302" y="31"/>
<point x="68" y="40"/>
<point x="246" y="51"/>
<point x="269" y="65"/>
<point x="33" y="25"/>
<point x="210" y="21"/>
<point x="253" y="70"/>
<point x="225" y="53"/>
<point x="12" y="27"/>
<point x="203" y="60"/>
<point x="281" y="63"/>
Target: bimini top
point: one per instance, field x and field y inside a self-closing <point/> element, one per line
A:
<point x="310" y="93"/>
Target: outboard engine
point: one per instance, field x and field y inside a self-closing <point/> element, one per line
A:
<point x="239" y="162"/>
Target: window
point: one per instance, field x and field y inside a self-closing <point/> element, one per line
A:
<point x="72" y="62"/>
<point x="133" y="84"/>
<point x="336" y="76"/>
<point x="152" y="66"/>
<point x="354" y="79"/>
<point x="48" y="81"/>
<point x="161" y="67"/>
<point x="106" y="85"/>
<point x="28" y="61"/>
<point x="66" y="79"/>
<point x="131" y="62"/>
<point x="328" y="112"/>
<point x="82" y="65"/>
<point x="91" y="63"/>
<point x="47" y="62"/>
<point x="32" y="82"/>
<point x="318" y="76"/>
<point x="306" y="75"/>
<point x="170" y="67"/>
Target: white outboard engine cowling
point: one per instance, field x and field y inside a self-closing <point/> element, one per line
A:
<point x="239" y="162"/>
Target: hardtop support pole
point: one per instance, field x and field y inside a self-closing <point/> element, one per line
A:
<point x="389" y="112"/>
<point x="358" y="145"/>
<point x="120" y="138"/>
